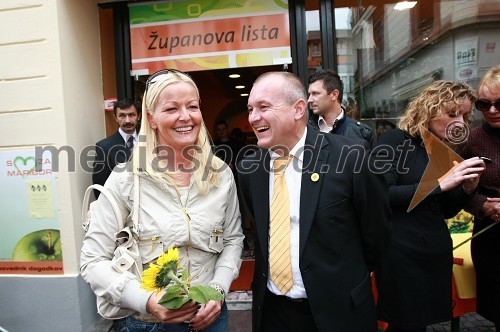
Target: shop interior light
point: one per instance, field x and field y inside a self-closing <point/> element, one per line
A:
<point x="234" y="76"/>
<point x="240" y="87"/>
<point x="402" y="5"/>
<point x="244" y="94"/>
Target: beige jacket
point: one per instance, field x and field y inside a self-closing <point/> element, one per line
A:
<point x="210" y="243"/>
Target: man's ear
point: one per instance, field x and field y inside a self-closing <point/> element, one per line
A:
<point x="300" y="108"/>
<point x="152" y="122"/>
<point x="334" y="94"/>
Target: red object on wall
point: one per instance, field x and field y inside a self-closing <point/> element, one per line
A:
<point x="461" y="306"/>
<point x="244" y="280"/>
<point x="109" y="104"/>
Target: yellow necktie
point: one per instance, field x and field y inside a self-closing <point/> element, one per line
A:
<point x="279" y="242"/>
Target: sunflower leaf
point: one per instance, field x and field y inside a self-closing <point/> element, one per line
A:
<point x="171" y="292"/>
<point x="197" y="294"/>
<point x="202" y="294"/>
<point x="212" y="293"/>
<point x="174" y="303"/>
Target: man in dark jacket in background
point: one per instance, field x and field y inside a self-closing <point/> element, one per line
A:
<point x="325" y="97"/>
<point x="117" y="148"/>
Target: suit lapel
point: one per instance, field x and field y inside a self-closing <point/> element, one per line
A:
<point x="117" y="139"/>
<point x="314" y="157"/>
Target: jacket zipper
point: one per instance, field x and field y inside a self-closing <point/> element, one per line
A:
<point x="188" y="219"/>
<point x="155" y="240"/>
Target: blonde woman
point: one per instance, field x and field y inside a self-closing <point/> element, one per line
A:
<point x="414" y="279"/>
<point x="485" y="205"/>
<point x="188" y="200"/>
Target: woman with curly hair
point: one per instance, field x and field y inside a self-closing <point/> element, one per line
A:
<point x="414" y="279"/>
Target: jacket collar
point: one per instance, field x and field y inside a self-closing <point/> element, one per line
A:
<point x="490" y="130"/>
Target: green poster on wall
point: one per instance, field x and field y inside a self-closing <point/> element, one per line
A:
<point x="30" y="229"/>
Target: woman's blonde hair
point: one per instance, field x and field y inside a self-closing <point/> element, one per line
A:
<point x="491" y="79"/>
<point x="145" y="159"/>
<point x="433" y="103"/>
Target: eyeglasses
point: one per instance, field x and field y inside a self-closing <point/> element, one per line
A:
<point x="484" y="105"/>
<point x="155" y="77"/>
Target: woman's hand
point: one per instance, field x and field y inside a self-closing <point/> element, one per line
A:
<point x="206" y="315"/>
<point x="466" y="173"/>
<point x="184" y="313"/>
<point x="491" y="208"/>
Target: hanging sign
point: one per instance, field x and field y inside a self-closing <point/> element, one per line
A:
<point x="201" y="35"/>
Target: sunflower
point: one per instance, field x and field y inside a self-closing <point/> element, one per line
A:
<point x="159" y="274"/>
<point x="172" y="255"/>
<point x="149" y="278"/>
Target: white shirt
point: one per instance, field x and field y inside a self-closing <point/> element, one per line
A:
<point x="125" y="136"/>
<point x="324" y="127"/>
<point x="293" y="176"/>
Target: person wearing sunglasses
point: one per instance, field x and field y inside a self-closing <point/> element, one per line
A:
<point x="484" y="141"/>
<point x="414" y="279"/>
<point x="187" y="200"/>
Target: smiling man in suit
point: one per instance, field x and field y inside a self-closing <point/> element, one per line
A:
<point x="117" y="148"/>
<point x="321" y="225"/>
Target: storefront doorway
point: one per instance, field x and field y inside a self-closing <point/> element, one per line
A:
<point x="223" y="93"/>
<point x="223" y="49"/>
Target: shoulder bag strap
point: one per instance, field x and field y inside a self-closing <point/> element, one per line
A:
<point x="109" y="197"/>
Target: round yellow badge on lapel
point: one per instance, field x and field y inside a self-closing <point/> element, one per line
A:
<point x="314" y="177"/>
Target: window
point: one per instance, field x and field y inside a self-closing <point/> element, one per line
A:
<point x="387" y="56"/>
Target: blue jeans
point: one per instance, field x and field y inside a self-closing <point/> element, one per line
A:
<point x="134" y="325"/>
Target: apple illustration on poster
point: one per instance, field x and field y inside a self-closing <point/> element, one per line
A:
<point x="40" y="246"/>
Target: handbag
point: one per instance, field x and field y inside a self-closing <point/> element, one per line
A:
<point x="126" y="256"/>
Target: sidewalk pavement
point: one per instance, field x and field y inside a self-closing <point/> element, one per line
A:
<point x="241" y="321"/>
<point x="240" y="318"/>
<point x="470" y="322"/>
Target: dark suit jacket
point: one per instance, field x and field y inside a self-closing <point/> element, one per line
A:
<point x="349" y="128"/>
<point x="344" y="230"/>
<point x="109" y="152"/>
